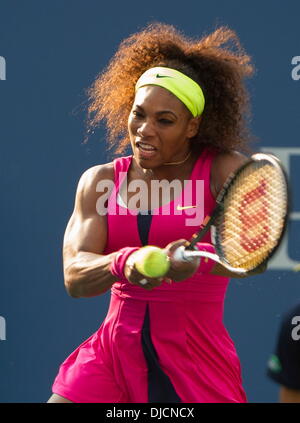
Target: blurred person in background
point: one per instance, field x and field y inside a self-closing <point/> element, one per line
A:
<point x="284" y="364"/>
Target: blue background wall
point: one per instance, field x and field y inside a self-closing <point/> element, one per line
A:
<point x="53" y="50"/>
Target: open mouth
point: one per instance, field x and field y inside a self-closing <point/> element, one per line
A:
<point x="146" y="150"/>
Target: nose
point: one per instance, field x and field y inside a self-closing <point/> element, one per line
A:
<point x="145" y="129"/>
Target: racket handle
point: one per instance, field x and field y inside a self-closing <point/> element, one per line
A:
<point x="180" y="254"/>
<point x="205" y="266"/>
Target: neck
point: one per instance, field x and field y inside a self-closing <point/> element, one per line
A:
<point x="179" y="162"/>
<point x="168" y="170"/>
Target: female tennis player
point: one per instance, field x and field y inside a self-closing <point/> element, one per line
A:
<point x="181" y="105"/>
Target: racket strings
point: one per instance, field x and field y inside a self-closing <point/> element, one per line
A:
<point x="255" y="210"/>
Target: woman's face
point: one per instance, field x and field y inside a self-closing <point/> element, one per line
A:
<point x="159" y="127"/>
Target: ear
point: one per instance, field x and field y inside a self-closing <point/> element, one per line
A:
<point x="193" y="126"/>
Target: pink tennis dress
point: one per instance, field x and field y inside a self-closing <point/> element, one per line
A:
<point x="164" y="345"/>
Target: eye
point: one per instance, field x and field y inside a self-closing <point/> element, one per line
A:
<point x="137" y="114"/>
<point x="165" y="121"/>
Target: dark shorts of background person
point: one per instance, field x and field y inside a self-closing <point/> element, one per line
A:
<point x="284" y="363"/>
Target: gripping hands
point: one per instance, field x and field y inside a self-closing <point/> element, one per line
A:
<point x="150" y="266"/>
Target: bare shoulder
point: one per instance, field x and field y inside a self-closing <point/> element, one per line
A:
<point x="231" y="160"/>
<point x="95" y="174"/>
<point x="223" y="165"/>
<point x="94" y="181"/>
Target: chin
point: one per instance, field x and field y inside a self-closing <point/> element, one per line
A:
<point x="145" y="164"/>
<point x="145" y="161"/>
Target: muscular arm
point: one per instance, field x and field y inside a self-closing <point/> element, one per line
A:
<point x="86" y="270"/>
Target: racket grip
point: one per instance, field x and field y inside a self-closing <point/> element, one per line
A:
<point x="206" y="264"/>
<point x="180" y="254"/>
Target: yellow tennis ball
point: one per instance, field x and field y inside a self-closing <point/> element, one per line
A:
<point x="152" y="261"/>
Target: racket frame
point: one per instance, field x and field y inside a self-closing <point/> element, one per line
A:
<point x="189" y="249"/>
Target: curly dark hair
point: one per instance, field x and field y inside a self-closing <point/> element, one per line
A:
<point x="217" y="62"/>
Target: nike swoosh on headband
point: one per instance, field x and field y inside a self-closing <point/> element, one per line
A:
<point x="163" y="76"/>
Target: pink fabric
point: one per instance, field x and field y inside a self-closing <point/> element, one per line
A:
<point x="186" y="320"/>
<point x="118" y="263"/>
<point x="206" y="264"/>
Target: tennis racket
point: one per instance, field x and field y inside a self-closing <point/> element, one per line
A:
<point x="250" y="217"/>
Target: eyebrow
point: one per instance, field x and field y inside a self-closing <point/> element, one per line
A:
<point x="159" y="112"/>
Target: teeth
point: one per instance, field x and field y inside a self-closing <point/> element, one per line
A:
<point x="145" y="146"/>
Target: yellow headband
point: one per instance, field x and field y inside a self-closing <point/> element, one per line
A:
<point x="183" y="87"/>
